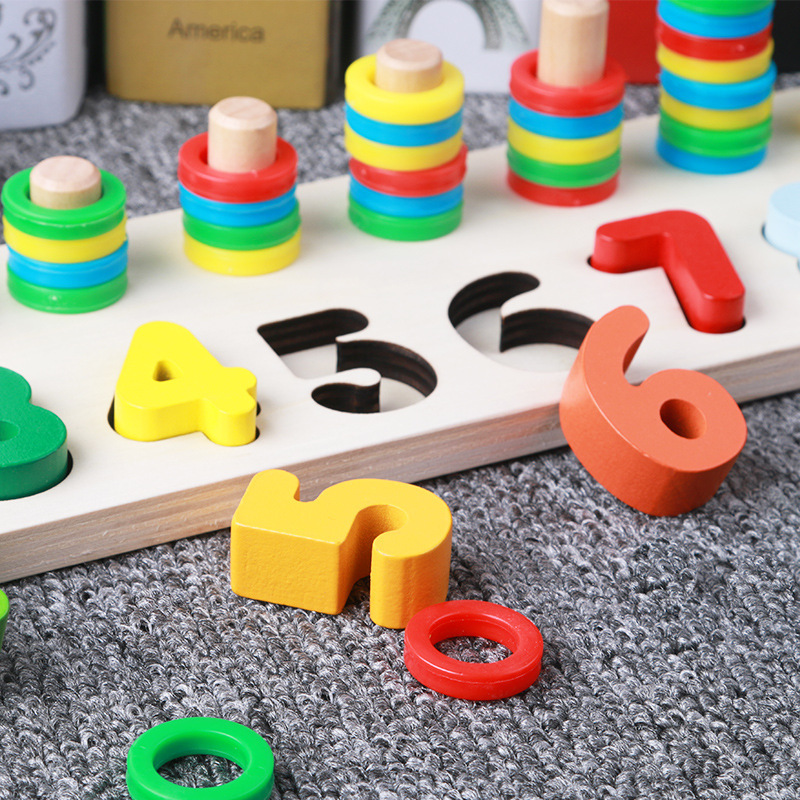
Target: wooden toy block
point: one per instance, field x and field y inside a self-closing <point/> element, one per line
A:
<point x="33" y="441"/>
<point x="171" y="385"/>
<point x="65" y="182"/>
<point x="408" y="65"/>
<point x="663" y="447"/>
<point x="310" y="554"/>
<point x="686" y="246"/>
<point x="242" y="135"/>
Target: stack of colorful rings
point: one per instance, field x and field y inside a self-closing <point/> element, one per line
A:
<point x="408" y="162"/>
<point x="239" y="223"/>
<point x="65" y="260"/>
<point x="564" y="142"/>
<point x="717" y="78"/>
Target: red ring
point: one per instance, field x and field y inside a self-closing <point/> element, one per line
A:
<point x="566" y="101"/>
<point x="235" y="187"/>
<point x="712" y="49"/>
<point x="554" y="196"/>
<point x="417" y="183"/>
<point x="465" y="679"/>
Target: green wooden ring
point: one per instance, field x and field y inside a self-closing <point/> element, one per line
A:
<point x="67" y="301"/>
<point x="63" y="224"/>
<point x="254" y="237"/>
<point x="719" y="144"/>
<point x="404" y="229"/>
<point x="724" y="8"/>
<point x="563" y="176"/>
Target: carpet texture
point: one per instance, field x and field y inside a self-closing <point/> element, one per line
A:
<point x="671" y="661"/>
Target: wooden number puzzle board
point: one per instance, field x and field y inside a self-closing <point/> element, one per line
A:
<point x="122" y="495"/>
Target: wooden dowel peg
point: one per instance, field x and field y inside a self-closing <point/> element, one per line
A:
<point x="408" y="65"/>
<point x="63" y="182"/>
<point x="572" y="42"/>
<point x="242" y="134"/>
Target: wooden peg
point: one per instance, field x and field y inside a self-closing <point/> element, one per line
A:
<point x="572" y="42"/>
<point x="242" y="134"/>
<point x="65" y="182"/>
<point x="408" y="65"/>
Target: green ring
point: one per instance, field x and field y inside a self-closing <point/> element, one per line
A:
<point x="200" y="736"/>
<point x="254" y="237"/>
<point x="724" y="8"/>
<point x="3" y="615"/>
<point x="563" y="176"/>
<point x="67" y="301"/>
<point x="404" y="229"/>
<point x="718" y="144"/>
<point x="63" y="224"/>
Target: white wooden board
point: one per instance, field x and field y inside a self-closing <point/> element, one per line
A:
<point x="121" y="494"/>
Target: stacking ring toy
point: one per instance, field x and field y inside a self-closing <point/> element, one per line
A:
<point x="395" y="206"/>
<point x="714" y="26"/>
<point x="3" y="614"/>
<point x="87" y="222"/>
<point x="720" y="144"/>
<point x="72" y="276"/>
<point x="397" y="108"/>
<point x="564" y="127"/>
<point x="720" y="96"/>
<point x="557" y="196"/>
<point x="712" y="120"/>
<point x="67" y="301"/>
<point x="64" y="251"/>
<point x="257" y="237"/>
<point x="235" y="187"/>
<point x="402" y="135"/>
<point x="403" y="229"/>
<point x="402" y="159"/>
<point x="418" y="183"/>
<point x="698" y="69"/>
<point x="242" y="262"/>
<point x="200" y="736"/>
<point x="566" y="101"/>
<point x="712" y="49"/>
<point x="237" y="215"/>
<point x="564" y="176"/>
<point x="563" y="151"/>
<point x="469" y="680"/>
<point x="707" y="165"/>
<point x="724" y="8"/>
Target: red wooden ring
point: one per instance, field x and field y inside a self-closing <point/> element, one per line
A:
<point x="712" y="49"/>
<point x="235" y="187"/>
<point x="555" y="196"/>
<point x="465" y="679"/>
<point x="417" y="183"/>
<point x="566" y="101"/>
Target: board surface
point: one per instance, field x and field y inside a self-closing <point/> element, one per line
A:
<point x="485" y="407"/>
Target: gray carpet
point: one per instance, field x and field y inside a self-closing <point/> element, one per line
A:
<point x="672" y="646"/>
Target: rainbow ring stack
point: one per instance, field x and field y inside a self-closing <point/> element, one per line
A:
<point x="717" y="80"/>
<point x="403" y="131"/>
<point x="565" y="112"/>
<point x="237" y="190"/>
<point x="64" y="223"/>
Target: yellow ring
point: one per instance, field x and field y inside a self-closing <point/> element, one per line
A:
<point x="563" y="151"/>
<point x="708" y="71"/>
<point x="401" y="159"/>
<point x="713" y="120"/>
<point x="64" y="251"/>
<point x="400" y="108"/>
<point x="242" y="262"/>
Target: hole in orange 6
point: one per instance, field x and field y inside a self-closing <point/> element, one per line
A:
<point x="683" y="418"/>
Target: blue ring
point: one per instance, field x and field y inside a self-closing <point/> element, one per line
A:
<point x="707" y="165"/>
<point x="236" y="215"/>
<point x="407" y="207"/>
<point x="720" y="96"/>
<point x="565" y="127"/>
<point x="82" y="275"/>
<point x="402" y="135"/>
<point x="713" y="26"/>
